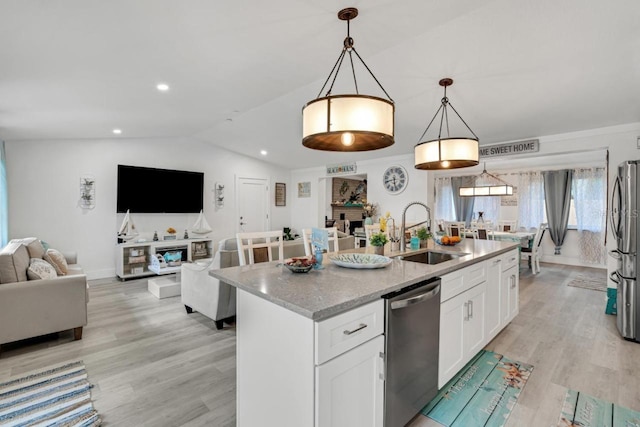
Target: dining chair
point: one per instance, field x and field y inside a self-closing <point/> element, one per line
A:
<point x="533" y="253"/>
<point x="258" y="246"/>
<point x="333" y="238"/>
<point x="481" y="233"/>
<point x="507" y="225"/>
<point x="456" y="229"/>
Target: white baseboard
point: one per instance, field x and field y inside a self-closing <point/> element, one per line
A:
<point x="559" y="259"/>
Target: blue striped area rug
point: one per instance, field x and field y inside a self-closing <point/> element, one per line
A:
<point x="482" y="394"/>
<point x="580" y="409"/>
<point x="58" y="396"/>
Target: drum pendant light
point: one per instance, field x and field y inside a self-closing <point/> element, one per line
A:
<point x="448" y="152"/>
<point x="349" y="122"/>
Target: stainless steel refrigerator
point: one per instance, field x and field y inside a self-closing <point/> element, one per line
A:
<point x="625" y="203"/>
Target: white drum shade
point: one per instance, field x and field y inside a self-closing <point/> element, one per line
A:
<point x="446" y="153"/>
<point x="348" y="123"/>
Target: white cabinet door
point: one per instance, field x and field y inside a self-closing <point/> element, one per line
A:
<point x="462" y="331"/>
<point x="451" y="356"/>
<point x="350" y="387"/>
<point x="493" y="318"/>
<point x="474" y="337"/>
<point x="510" y="294"/>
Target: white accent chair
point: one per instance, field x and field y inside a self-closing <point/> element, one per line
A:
<point x="333" y="238"/>
<point x="205" y="294"/>
<point x="253" y="246"/>
<point x="533" y="253"/>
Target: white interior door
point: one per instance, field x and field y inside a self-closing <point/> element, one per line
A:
<point x="252" y="199"/>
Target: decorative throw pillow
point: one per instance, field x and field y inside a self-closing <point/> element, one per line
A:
<point x="40" y="269"/>
<point x="57" y="260"/>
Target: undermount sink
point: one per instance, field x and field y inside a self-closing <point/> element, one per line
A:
<point x="431" y="257"/>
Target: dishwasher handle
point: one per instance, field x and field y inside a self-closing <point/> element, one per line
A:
<point x="432" y="292"/>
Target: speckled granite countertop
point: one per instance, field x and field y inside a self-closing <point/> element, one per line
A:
<point x="321" y="294"/>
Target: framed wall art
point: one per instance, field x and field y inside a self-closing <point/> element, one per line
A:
<point x="281" y="194"/>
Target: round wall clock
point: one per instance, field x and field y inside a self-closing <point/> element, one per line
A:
<point x="395" y="179"/>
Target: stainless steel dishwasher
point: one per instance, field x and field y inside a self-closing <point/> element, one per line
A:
<point x="412" y="329"/>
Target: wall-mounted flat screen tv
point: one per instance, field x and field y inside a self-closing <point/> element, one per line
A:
<point x="150" y="190"/>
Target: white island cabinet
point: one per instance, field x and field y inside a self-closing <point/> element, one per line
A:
<point x="477" y="303"/>
<point x="293" y="371"/>
<point x="310" y="347"/>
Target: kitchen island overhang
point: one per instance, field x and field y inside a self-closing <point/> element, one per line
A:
<point x="321" y="294"/>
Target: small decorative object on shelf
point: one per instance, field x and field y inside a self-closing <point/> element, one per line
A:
<point x="155" y="236"/>
<point x="369" y="210"/>
<point x="186" y="235"/>
<point x="171" y="234"/>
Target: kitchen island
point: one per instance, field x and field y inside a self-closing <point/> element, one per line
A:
<point x="309" y="346"/>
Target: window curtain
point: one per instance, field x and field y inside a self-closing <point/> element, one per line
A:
<point x="589" y="190"/>
<point x="463" y="206"/>
<point x="490" y="205"/>
<point x="444" y="200"/>
<point x="530" y="199"/>
<point x="4" y="201"/>
<point x="557" y="196"/>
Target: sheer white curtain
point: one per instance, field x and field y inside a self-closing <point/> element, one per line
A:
<point x="530" y="199"/>
<point x="444" y="200"/>
<point x="490" y="205"/>
<point x="589" y="198"/>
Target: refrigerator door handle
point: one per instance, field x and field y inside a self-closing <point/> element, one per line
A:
<point x="616" y="209"/>
<point x="615" y="254"/>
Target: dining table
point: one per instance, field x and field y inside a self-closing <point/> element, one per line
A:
<point x="523" y="237"/>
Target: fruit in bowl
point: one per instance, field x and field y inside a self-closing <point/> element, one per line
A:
<point x="447" y="240"/>
<point x="300" y="264"/>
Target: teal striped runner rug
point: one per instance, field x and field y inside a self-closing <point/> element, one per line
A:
<point x="58" y="396"/>
<point x="482" y="394"/>
<point x="580" y="409"/>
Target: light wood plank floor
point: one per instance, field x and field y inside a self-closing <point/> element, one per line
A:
<point x="152" y="364"/>
<point x="564" y="333"/>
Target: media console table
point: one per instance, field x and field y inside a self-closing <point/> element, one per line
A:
<point x="133" y="258"/>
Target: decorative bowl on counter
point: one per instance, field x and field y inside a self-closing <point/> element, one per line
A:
<point x="299" y="264"/>
<point x="361" y="261"/>
<point x="447" y="240"/>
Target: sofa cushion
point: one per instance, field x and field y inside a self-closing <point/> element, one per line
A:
<point x="57" y="260"/>
<point x="14" y="262"/>
<point x="40" y="269"/>
<point x="34" y="246"/>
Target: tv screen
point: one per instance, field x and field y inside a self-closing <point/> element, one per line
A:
<point x="149" y="190"/>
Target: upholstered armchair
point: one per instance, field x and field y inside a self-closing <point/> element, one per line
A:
<point x="205" y="294"/>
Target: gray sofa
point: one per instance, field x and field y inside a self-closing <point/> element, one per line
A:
<point x="217" y="300"/>
<point x="30" y="308"/>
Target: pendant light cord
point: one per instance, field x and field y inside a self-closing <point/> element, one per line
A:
<point x="348" y="47"/>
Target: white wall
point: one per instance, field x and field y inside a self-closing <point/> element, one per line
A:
<point x="307" y="212"/>
<point x="44" y="178"/>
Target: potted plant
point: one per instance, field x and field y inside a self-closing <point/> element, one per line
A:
<point x="378" y="240"/>
<point x="424" y="235"/>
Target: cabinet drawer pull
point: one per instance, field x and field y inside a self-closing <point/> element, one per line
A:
<point x="497" y="261"/>
<point x="513" y="281"/>
<point x="360" y="327"/>
<point x="512" y="259"/>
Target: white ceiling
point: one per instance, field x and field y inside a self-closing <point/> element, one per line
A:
<point x="240" y="71"/>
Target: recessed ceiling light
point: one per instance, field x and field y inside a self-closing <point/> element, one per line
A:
<point x="117" y="131"/>
<point x="162" y="87"/>
<point x="263" y="152"/>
